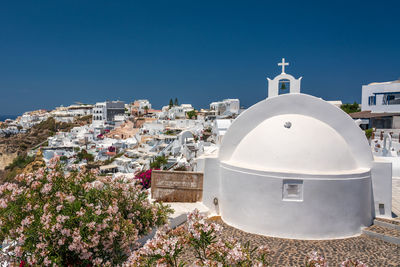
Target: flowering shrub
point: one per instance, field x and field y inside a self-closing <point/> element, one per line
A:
<point x="50" y="217"/>
<point x="144" y="178"/>
<point x="353" y="263"/>
<point x="167" y="246"/>
<point x="314" y="260"/>
<point x="202" y="238"/>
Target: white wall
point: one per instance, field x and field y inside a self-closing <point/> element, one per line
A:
<point x="211" y="181"/>
<point x="331" y="206"/>
<point x="382" y="188"/>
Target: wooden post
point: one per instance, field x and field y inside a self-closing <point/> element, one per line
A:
<point x="381" y="135"/>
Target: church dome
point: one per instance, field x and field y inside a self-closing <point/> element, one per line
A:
<point x="296" y="166"/>
<point x="294" y="143"/>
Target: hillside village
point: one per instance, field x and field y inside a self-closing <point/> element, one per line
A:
<point x="123" y="138"/>
<point x="128" y="138"/>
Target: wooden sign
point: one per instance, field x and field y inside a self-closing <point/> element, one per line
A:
<point x="176" y="186"/>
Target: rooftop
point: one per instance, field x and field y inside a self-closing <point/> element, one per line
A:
<point x="396" y="81"/>
<point x="368" y="114"/>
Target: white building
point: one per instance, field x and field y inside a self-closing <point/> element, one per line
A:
<point x="62" y="116"/>
<point x="295" y="166"/>
<point x="107" y="112"/>
<point x="219" y="129"/>
<point x="80" y="109"/>
<point x="175" y="112"/>
<point x="28" y="119"/>
<point x="381" y="97"/>
<point x="99" y="114"/>
<point x="141" y="106"/>
<point x="226" y="107"/>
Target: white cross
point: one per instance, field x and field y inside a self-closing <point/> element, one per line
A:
<point x="283" y="64"/>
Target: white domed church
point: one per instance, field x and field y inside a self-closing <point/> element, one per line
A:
<point x="296" y="166"/>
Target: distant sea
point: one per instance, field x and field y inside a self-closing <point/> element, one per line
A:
<point x="4" y="117"/>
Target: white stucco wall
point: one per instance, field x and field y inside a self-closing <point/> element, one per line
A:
<point x="331" y="207"/>
<point x="382" y="188"/>
<point x="211" y="181"/>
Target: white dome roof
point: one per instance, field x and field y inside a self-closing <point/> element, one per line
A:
<point x="307" y="146"/>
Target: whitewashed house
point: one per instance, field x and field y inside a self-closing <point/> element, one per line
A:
<point x="226" y="107"/>
<point x="61" y="114"/>
<point x="179" y="112"/>
<point x="108" y="112"/>
<point x="153" y="128"/>
<point x="380" y="106"/>
<point x="28" y="119"/>
<point x="99" y="114"/>
<point x="144" y="105"/>
<point x="140" y="107"/>
<point x="220" y="127"/>
<point x="80" y="109"/>
<point x="381" y="97"/>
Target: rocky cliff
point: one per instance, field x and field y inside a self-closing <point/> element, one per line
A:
<point x="19" y="145"/>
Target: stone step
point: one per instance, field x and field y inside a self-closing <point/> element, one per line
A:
<point x="387" y="234"/>
<point x="388" y="223"/>
<point x="181" y="211"/>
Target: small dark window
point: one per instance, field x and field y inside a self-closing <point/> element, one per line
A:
<point x="372" y="100"/>
<point x="381" y="209"/>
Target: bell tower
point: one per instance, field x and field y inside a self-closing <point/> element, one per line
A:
<point x="282" y="81"/>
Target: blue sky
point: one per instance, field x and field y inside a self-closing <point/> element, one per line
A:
<point x="59" y="52"/>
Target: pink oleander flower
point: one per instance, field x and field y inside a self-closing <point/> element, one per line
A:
<point x="314" y="260"/>
<point x="201" y="236"/>
<point x="70" y="199"/>
<point x="353" y="263"/>
<point x="3" y="203"/>
<point x="97" y="184"/>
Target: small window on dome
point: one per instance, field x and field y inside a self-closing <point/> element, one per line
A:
<point x="292" y="190"/>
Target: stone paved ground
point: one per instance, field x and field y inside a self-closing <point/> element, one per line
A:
<point x="384" y="230"/>
<point x="287" y="252"/>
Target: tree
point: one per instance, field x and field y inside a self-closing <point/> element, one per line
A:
<point x="176" y="101"/>
<point x="158" y="162"/>
<point x="171" y="103"/>
<point x="368" y="133"/>
<point x="146" y="109"/>
<point x="85" y="155"/>
<point x="191" y="114"/>
<point x="350" y="108"/>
